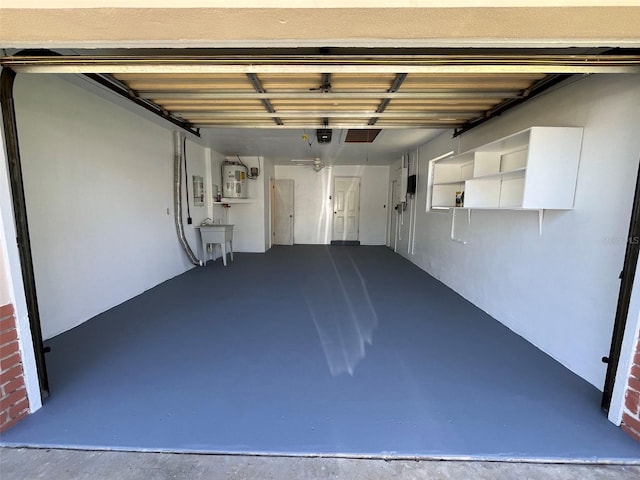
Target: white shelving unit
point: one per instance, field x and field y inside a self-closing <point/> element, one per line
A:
<point x="229" y="201"/>
<point x="535" y="169"/>
<point x="449" y="177"/>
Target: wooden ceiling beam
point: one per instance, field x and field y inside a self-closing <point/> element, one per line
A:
<point x="196" y="116"/>
<point x="431" y="94"/>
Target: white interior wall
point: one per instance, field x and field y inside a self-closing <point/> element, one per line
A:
<point x="215" y="212"/>
<point x="313" y="209"/>
<point x="196" y="165"/>
<point x="249" y="218"/>
<point x="99" y="189"/>
<point x="218" y="212"/>
<point x="558" y="290"/>
<point x="404" y="219"/>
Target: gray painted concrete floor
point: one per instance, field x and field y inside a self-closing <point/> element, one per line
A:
<point x="32" y="464"/>
<point x="314" y="350"/>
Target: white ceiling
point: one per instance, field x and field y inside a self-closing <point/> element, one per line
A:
<point x="282" y="146"/>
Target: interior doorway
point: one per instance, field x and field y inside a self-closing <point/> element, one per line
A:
<point x="346" y="208"/>
<point x="283" y="212"/>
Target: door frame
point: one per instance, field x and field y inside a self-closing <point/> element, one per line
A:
<point x="14" y="164"/>
<point x="333" y="201"/>
<point x="627" y="277"/>
<point x="275" y="210"/>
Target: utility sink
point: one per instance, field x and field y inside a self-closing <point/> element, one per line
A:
<point x="217" y="234"/>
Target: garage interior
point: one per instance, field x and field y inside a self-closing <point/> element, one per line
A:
<point x="480" y="337"/>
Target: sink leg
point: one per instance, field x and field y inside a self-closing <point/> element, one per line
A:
<point x="224" y="253"/>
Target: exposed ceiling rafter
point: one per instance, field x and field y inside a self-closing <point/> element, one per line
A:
<point x="385" y="101"/>
<point x="315" y="114"/>
<point x="255" y="81"/>
<point x="356" y="94"/>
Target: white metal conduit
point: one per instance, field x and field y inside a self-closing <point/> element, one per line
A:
<point x="177" y="197"/>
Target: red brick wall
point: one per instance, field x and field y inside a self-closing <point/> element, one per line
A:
<point x="631" y="414"/>
<point x="14" y="404"/>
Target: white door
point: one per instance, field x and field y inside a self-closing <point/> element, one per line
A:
<point x="283" y="213"/>
<point x="346" y="208"/>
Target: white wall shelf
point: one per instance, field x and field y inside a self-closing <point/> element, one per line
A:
<point x="509" y="173"/>
<point x="229" y="201"/>
<point x="455" y="182"/>
<point x="535" y="169"/>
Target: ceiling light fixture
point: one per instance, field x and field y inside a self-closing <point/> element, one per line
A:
<point x="316" y="163"/>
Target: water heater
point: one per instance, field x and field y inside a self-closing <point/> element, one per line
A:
<point x="234" y="180"/>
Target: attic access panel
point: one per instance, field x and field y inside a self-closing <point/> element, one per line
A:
<point x="365" y="135"/>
